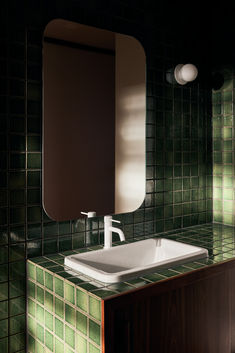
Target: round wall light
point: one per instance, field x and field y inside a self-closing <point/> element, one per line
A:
<point x="185" y="73"/>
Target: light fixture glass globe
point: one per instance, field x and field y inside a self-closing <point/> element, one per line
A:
<point x="189" y="72"/>
<point x="185" y="73"/>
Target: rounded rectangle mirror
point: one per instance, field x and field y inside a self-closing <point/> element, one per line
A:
<point x="94" y="112"/>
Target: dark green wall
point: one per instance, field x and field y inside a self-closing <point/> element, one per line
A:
<point x="179" y="158"/>
<point x="224" y="148"/>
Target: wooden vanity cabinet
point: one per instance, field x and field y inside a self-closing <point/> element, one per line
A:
<point x="190" y="313"/>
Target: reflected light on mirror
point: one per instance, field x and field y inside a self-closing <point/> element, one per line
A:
<point x="131" y="141"/>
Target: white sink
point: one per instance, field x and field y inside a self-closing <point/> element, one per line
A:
<point x="122" y="262"/>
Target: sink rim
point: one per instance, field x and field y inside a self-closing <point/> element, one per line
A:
<point x="120" y="276"/>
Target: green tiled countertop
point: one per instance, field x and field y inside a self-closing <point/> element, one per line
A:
<point x="64" y="307"/>
<point x="218" y="239"/>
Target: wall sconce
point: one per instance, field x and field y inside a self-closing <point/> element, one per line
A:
<point x="182" y="74"/>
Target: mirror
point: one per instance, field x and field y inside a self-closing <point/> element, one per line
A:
<point x="94" y="108"/>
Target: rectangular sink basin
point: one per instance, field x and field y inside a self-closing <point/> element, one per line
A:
<point x="123" y="262"/>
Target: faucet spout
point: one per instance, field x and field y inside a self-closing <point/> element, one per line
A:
<point x="119" y="232"/>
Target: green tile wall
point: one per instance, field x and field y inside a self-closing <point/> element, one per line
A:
<point x="55" y="322"/>
<point x="178" y="143"/>
<point x="223" y="150"/>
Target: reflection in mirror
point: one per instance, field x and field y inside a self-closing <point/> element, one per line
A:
<point x="94" y="107"/>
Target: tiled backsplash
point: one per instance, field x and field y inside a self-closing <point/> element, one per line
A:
<point x="223" y="150"/>
<point x="179" y="158"/>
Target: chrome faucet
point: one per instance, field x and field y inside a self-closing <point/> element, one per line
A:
<point x="109" y="229"/>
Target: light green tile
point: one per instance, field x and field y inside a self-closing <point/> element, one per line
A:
<point x="31" y="289"/>
<point x="218" y="193"/>
<point x="228" y="219"/>
<point x="81" y="322"/>
<point x="31" y="326"/>
<point x="40" y="314"/>
<point x="82" y="300"/>
<point x="70" y="293"/>
<point x="40" y="275"/>
<point x="70" y="336"/>
<point x="40" y="333"/>
<point x="94" y="331"/>
<point x="49" y="281"/>
<point x="49" y="341"/>
<point x="95" y="308"/>
<point x="59" y="287"/>
<point x="59" y="346"/>
<point x="228" y="181"/>
<point x="227" y="133"/>
<point x="81" y="344"/>
<point x="93" y="349"/>
<point x="31" y="307"/>
<point x="49" y="301"/>
<point x="38" y="347"/>
<point x="59" y="328"/>
<point x="31" y="271"/>
<point x="228" y="206"/>
<point x="228" y="194"/>
<point x="48" y="320"/>
<point x="59" y="307"/>
<point x="40" y="295"/>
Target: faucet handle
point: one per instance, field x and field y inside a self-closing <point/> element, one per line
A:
<point x="115" y="221"/>
<point x="89" y="214"/>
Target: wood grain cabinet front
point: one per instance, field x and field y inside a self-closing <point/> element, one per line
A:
<point x="192" y="313"/>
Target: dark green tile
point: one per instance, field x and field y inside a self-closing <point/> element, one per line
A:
<point x="17" y="342"/>
<point x="4" y="291"/>
<point x="33" y="196"/>
<point x="17" y="288"/>
<point x="3" y="273"/>
<point x="4" y="345"/>
<point x="17" y="252"/>
<point x="34" y="214"/>
<point x="3" y="328"/>
<point x="17" y="197"/>
<point x="17" y="306"/>
<point x="34" y="143"/>
<point x="17" y="215"/>
<point x="3" y="254"/>
<point x="34" y="161"/>
<point x="34" y="178"/>
<point x="17" y="324"/>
